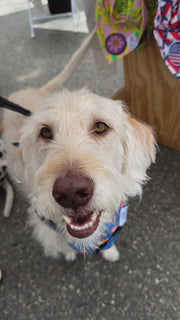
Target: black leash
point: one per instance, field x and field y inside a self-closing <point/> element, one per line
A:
<point x="14" y="107"/>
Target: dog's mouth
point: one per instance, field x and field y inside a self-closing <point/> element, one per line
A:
<point x="82" y="225"/>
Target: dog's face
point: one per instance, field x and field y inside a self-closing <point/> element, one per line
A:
<point x="81" y="155"/>
<point x="3" y="162"/>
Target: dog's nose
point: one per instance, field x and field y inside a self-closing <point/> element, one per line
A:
<point x="72" y="191"/>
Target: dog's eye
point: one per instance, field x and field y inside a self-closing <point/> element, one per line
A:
<point x="46" y="133"/>
<point x="100" y="127"/>
<point x="1" y="154"/>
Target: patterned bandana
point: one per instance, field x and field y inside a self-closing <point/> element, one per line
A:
<point x="167" y="33"/>
<point x="120" y="26"/>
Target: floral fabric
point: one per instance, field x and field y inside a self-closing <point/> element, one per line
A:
<point x="120" y="26"/>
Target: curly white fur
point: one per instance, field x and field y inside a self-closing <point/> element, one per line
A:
<point x="116" y="162"/>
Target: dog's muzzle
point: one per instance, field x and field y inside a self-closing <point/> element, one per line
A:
<point x="73" y="192"/>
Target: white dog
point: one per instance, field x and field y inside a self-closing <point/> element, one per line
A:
<point x="78" y="158"/>
<point x="4" y="183"/>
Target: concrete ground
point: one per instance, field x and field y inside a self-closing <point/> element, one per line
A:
<point x="144" y="284"/>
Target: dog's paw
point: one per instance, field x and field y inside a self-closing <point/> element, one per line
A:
<point x="70" y="256"/>
<point x="111" y="255"/>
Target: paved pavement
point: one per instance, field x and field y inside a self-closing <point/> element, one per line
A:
<point x="144" y="284"/>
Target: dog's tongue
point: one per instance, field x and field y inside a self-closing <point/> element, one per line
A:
<point x="82" y="226"/>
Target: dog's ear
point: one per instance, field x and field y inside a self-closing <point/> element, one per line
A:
<point x="140" y="149"/>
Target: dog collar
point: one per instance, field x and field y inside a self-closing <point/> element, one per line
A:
<point x="109" y="235"/>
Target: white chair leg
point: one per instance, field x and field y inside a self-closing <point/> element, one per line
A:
<point x="30" y="20"/>
<point x="73" y="15"/>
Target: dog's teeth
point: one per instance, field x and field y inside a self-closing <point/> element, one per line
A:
<point x="79" y="228"/>
<point x="86" y="226"/>
<point x="93" y="217"/>
<point x="75" y="227"/>
<point x="90" y="224"/>
<point x="67" y="219"/>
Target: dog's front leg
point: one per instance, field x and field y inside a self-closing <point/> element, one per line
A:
<point x="9" y="199"/>
<point x="69" y="254"/>
<point x="111" y="254"/>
